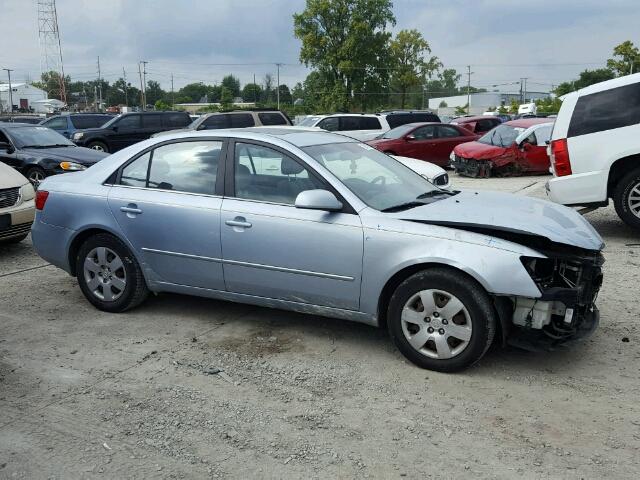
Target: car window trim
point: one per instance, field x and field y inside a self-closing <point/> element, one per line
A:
<point x="229" y="185"/>
<point x="219" y="185"/>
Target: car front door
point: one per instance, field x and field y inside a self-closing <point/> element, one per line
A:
<point x="421" y="142"/>
<point x="273" y="249"/>
<point x="125" y="132"/>
<point x="165" y="202"/>
<point x="535" y="154"/>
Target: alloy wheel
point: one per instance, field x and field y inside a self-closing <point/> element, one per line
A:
<point x="35" y="177"/>
<point x="633" y="200"/>
<point x="436" y="324"/>
<point x="97" y="147"/>
<point x="105" y="274"/>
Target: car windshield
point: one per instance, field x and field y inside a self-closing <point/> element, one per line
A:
<point x="501" y="136"/>
<point x="375" y="178"/>
<point x="398" y="132"/>
<point x="309" y="121"/>
<point x="37" y="137"/>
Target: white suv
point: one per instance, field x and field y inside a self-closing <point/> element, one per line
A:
<point x="367" y="126"/>
<point x="595" y="148"/>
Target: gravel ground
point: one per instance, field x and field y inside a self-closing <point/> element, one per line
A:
<point x="192" y="388"/>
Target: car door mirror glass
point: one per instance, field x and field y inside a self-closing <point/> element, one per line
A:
<point x="318" y="200"/>
<point x="410" y="137"/>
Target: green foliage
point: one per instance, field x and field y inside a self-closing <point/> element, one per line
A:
<point x="346" y="41"/>
<point x="586" y="78"/>
<point x="408" y="52"/>
<point x="548" y="105"/>
<point x="154" y="92"/>
<point x="626" y="59"/>
<point x="232" y="84"/>
<point x="513" y="108"/>
<point x="50" y="83"/>
<point x="226" y="98"/>
<point x="462" y="110"/>
<point x="161" y="105"/>
<point x="443" y="104"/>
<point x="285" y="95"/>
<point x="503" y="110"/>
<point x="252" y="92"/>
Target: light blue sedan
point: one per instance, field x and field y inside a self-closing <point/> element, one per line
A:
<point x="322" y="224"/>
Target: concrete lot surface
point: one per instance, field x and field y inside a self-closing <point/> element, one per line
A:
<point x="191" y="388"/>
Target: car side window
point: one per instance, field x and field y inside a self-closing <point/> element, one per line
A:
<point x="59" y="123"/>
<point x="267" y="175"/>
<point x="128" y="122"/>
<point x="181" y="167"/>
<point x="241" y="120"/>
<point x="152" y="121"/>
<point x="272" y="118"/>
<point x="543" y="134"/>
<point x="215" y="122"/>
<point x="369" y="123"/>
<point x="425" y="133"/>
<point x="332" y="124"/>
<point x="89" y="121"/>
<point x="445" y="131"/>
<point x="177" y="120"/>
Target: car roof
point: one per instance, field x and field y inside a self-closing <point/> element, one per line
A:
<point x="18" y="124"/>
<point x="474" y="118"/>
<point x="527" y="122"/>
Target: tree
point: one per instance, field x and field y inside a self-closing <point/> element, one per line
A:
<point x="226" y="98"/>
<point x="194" y="91"/>
<point x="408" y="52"/>
<point x="267" y="93"/>
<point x="50" y="83"/>
<point x="586" y="78"/>
<point x="548" y="105"/>
<point x="285" y="95"/>
<point x="252" y="92"/>
<point x="462" y="110"/>
<point x="232" y="84"/>
<point x="162" y="105"/>
<point x="515" y="105"/>
<point x="346" y="41"/>
<point x="443" y="104"/>
<point x="154" y="92"/>
<point x="629" y="59"/>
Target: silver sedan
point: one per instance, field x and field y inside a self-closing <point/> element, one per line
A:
<point x="322" y="224"/>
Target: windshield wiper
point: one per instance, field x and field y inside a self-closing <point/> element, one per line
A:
<point x="403" y="206"/>
<point x="433" y="193"/>
<point x="55" y="145"/>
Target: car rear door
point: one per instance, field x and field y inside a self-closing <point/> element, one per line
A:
<point x="274" y="250"/>
<point x="448" y="137"/>
<point x="167" y="205"/>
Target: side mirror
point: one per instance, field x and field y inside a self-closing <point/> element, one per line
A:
<point x="6" y="146"/>
<point x="318" y="200"/>
<point x="410" y="137"/>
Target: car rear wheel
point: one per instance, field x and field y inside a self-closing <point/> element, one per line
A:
<point x="99" y="146"/>
<point x="626" y="199"/>
<point x="441" y="320"/>
<point x="109" y="275"/>
<point x="35" y="175"/>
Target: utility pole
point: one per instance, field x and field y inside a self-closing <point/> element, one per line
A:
<point x="424" y="92"/>
<point x="141" y="87"/>
<point x="99" y="87"/>
<point x="144" y="83"/>
<point x="126" y="88"/>
<point x="172" y="101"/>
<point x="255" y="90"/>
<point x="469" y="72"/>
<point x="8" y="70"/>
<point x="524" y="90"/>
<point x="278" y="85"/>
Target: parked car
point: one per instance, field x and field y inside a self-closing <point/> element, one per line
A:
<point x="31" y="119"/>
<point x="435" y="174"/>
<point x="432" y="142"/>
<point x="129" y="128"/>
<point x="320" y="223"/>
<point x="67" y="125"/>
<point x="479" y="125"/>
<point x="17" y="208"/>
<point x="518" y="147"/>
<point x="237" y="119"/>
<point x="595" y="148"/>
<point x="37" y="152"/>
<point x="369" y="126"/>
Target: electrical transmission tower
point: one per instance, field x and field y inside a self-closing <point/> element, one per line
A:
<point x="50" y="46"/>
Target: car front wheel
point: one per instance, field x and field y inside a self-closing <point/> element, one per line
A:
<point x="441" y="320"/>
<point x="109" y="275"/>
<point x="626" y="199"/>
<point x="99" y="146"/>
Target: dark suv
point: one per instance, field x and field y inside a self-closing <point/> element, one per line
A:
<point x="129" y="128"/>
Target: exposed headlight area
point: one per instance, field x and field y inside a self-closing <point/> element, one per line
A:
<point x="441" y="180"/>
<point x="78" y="135"/>
<point x="566" y="310"/>
<point x="72" y="166"/>
<point x="27" y="193"/>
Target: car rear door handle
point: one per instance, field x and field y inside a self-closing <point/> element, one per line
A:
<point x="133" y="210"/>
<point x="238" y="222"/>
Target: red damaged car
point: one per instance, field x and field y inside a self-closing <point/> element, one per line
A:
<point x="432" y="142"/>
<point x="517" y="147"/>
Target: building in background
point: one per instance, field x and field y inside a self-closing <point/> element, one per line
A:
<point x="481" y="102"/>
<point x="23" y="96"/>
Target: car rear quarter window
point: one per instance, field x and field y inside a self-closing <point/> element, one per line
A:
<point x="152" y="121"/>
<point x="177" y="120"/>
<point x="331" y="124"/>
<point x="241" y="120"/>
<point x="272" y="118"/>
<point x="89" y="121"/>
<point x="614" y="108"/>
<point x="215" y="122"/>
<point x="369" y="123"/>
<point x="447" y="131"/>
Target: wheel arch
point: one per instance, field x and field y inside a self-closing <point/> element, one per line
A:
<point x="619" y="168"/>
<point x="82" y="236"/>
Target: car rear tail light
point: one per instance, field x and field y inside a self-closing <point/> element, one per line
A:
<point x="560" y="157"/>
<point x="41" y="199"/>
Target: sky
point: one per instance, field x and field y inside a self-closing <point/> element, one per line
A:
<point x="548" y="41"/>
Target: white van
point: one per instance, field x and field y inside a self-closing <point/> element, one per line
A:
<point x="595" y="148"/>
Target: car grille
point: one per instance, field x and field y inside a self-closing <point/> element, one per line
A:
<point x="15" y="230"/>
<point x="9" y="197"/>
<point x="441" y="180"/>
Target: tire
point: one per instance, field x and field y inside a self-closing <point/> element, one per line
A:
<point x="117" y="287"/>
<point x="626" y="199"/>
<point x="11" y="241"/>
<point x="35" y="175"/>
<point x="454" y="343"/>
<point x="99" y="146"/>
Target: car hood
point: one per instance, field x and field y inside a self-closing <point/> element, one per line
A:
<point x="169" y="132"/>
<point x="10" y="178"/>
<point x="520" y="216"/>
<point x="478" y="151"/>
<point x="84" y="156"/>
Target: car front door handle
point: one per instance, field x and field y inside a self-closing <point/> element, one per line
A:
<point x="133" y="210"/>
<point x="238" y="222"/>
